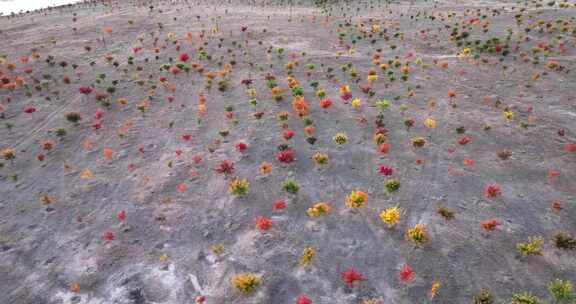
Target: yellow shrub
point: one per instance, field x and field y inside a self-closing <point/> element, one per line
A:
<point x="417" y="235"/>
<point x="246" y="283"/>
<point x="391" y="216"/>
<point x="307" y="256"/>
<point x="238" y="187"/>
<point x="357" y="199"/>
<point x="532" y="247"/>
<point x="320" y="158"/>
<point x="319" y="209"/>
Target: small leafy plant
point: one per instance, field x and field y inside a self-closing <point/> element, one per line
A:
<point x="319" y="209"/>
<point x="525" y="298"/>
<point x="418" y="142"/>
<point x="8" y="154"/>
<point x="307" y="256"/>
<point x="340" y="138"/>
<point x="73" y="117"/>
<point x="218" y="249"/>
<point x="561" y="291"/>
<point x="246" y="283"/>
<point x="263" y="223"/>
<point x="445" y="213"/>
<point x="320" y="158"/>
<point x="490" y="225"/>
<point x="492" y="191"/>
<point x="391" y="216"/>
<point x="564" y="241"/>
<point x="418" y="235"/>
<point x="351" y="276"/>
<point x="532" y="247"/>
<point x="238" y="187"/>
<point x="392" y="185"/>
<point x="291" y="186"/>
<point x="484" y="297"/>
<point x="286" y="156"/>
<point x="356" y="199"/>
<point x="225" y="167"/>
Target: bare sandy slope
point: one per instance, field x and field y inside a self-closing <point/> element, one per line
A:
<point x="143" y="151"/>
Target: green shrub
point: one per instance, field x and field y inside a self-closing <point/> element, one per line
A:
<point x="564" y="241"/>
<point x="561" y="291"/>
<point x="484" y="297"/>
<point x="532" y="247"/>
<point x="392" y="185"/>
<point x="525" y="298"/>
<point x="290" y="186"/>
<point x="73" y="117"/>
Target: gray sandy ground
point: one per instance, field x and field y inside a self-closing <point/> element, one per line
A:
<point x="162" y="251"/>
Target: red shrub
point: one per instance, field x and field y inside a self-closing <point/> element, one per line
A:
<point x="350" y="276"/>
<point x="490" y="225"/>
<point x="492" y="191"/>
<point x="286" y="156"/>
<point x="406" y="274"/>
<point x="263" y="223"/>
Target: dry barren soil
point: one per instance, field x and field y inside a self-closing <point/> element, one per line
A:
<point x="288" y="152"/>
